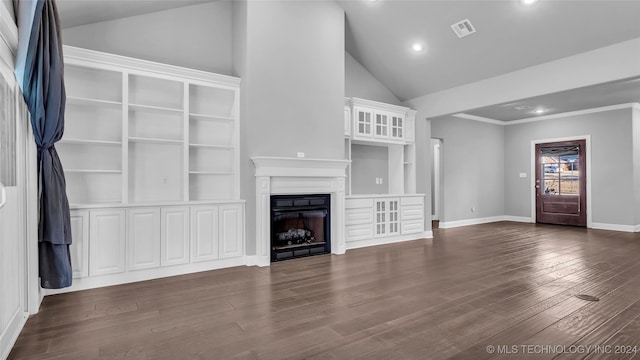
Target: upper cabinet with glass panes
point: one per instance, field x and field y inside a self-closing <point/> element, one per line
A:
<point x="377" y="122"/>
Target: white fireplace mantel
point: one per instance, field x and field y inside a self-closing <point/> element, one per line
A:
<point x="279" y="175"/>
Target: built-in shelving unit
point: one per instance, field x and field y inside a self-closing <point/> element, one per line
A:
<point x="396" y="213"/>
<point x="135" y="135"/>
<point x="150" y="153"/>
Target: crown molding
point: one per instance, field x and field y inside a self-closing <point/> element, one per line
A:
<point x="75" y="55"/>
<point x="634" y="105"/>
<point x="379" y="105"/>
<point x="479" y="118"/>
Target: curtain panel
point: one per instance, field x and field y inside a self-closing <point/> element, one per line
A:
<point x="40" y="72"/>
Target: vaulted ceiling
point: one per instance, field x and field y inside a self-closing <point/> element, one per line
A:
<point x="509" y="37"/>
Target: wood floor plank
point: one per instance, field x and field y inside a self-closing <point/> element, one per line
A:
<point x="449" y="297"/>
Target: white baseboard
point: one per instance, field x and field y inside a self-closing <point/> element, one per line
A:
<point x="11" y="332"/>
<point x="388" y="240"/>
<point x="486" y="220"/>
<point x="255" y="260"/>
<point x="93" y="282"/>
<point x="616" y="227"/>
<point x="467" y="222"/>
<point x="522" y="219"/>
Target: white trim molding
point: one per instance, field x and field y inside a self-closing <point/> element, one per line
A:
<point x="633" y="105"/>
<point x="587" y="139"/>
<point x="480" y="118"/>
<point x="616" y="227"/>
<point x="386" y="240"/>
<point x="278" y="175"/>
<point x="74" y="55"/>
<point x="574" y="113"/>
<point x="467" y="222"/>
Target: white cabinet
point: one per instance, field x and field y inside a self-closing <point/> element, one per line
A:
<point x="387" y="217"/>
<point x="378" y="122"/>
<point x="107" y="244"/>
<point x="79" y="249"/>
<point x="376" y="219"/>
<point x="412" y="214"/>
<point x="358" y="219"/>
<point x="174" y="235"/>
<point x="143" y="240"/>
<point x="204" y="233"/>
<point x="231" y="231"/>
<point x="217" y="232"/>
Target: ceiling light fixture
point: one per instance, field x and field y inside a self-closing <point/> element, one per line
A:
<point x="540" y="111"/>
<point x="528" y="2"/>
<point x="417" y="47"/>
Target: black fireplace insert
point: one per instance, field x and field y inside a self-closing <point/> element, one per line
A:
<point x="300" y="226"/>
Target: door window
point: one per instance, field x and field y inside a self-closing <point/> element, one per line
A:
<point x="560" y="169"/>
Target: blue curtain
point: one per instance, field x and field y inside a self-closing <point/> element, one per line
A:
<point x="39" y="67"/>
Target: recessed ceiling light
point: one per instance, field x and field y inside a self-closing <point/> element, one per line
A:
<point x="417" y="47"/>
<point x="539" y="111"/>
<point x="528" y="2"/>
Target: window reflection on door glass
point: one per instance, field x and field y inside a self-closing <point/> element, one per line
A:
<point x="560" y="175"/>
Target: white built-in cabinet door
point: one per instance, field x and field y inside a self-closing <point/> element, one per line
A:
<point x="363" y="122"/>
<point x="381" y="125"/>
<point x="143" y="240"/>
<point x="231" y="231"/>
<point x="107" y="243"/>
<point x="79" y="249"/>
<point x="387" y="217"/>
<point x="175" y="236"/>
<point x="204" y="233"/>
<point x="397" y="131"/>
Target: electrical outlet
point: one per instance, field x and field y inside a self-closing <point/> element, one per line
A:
<point x="523" y="175"/>
<point x="300" y="154"/>
<point x="381" y="181"/>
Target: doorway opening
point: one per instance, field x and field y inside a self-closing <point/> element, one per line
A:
<point x="436" y="183"/>
<point x="561" y="182"/>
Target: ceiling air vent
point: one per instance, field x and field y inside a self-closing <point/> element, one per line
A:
<point x="522" y="107"/>
<point x="463" y="28"/>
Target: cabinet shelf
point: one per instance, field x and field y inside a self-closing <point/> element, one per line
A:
<point x="211" y="146"/>
<point x="212" y="117"/>
<point x="90" y="142"/>
<point x="210" y="173"/>
<point x="85" y="101"/>
<point x="154" y="108"/>
<point x="93" y="171"/>
<point x="155" y="141"/>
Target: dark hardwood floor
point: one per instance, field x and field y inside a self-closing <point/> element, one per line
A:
<point x="502" y="290"/>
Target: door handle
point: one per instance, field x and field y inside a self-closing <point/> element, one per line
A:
<point x="3" y="195"/>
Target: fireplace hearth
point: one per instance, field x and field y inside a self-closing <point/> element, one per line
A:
<point x="300" y="226"/>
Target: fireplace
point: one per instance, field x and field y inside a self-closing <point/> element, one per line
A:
<point x="300" y="226"/>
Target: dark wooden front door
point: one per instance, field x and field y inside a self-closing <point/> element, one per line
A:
<point x="561" y="183"/>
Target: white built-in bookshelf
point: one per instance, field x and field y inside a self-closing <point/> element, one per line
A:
<point x="136" y="135"/>
<point x="150" y="154"/>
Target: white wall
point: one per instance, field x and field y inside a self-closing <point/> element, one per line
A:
<point x="367" y="163"/>
<point x="473" y="154"/>
<point x="612" y="176"/>
<point x="197" y="37"/>
<point x="291" y="60"/>
<point x="359" y="82"/>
